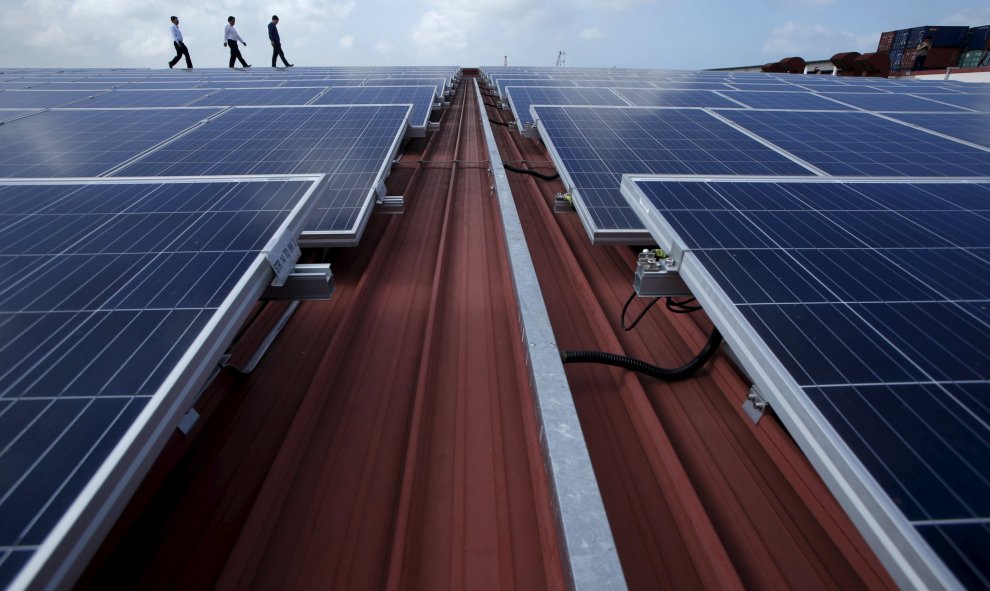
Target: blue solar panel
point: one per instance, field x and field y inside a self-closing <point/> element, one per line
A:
<point x="42" y="99"/>
<point x="522" y="97"/>
<point x="248" y="97"/>
<point x="796" y="101"/>
<point x="974" y="102"/>
<point x="970" y="127"/>
<point x="119" y="299"/>
<point x="502" y="83"/>
<point x="692" y="85"/>
<point x="441" y="83"/>
<point x="422" y="98"/>
<point x="890" y="103"/>
<point x="675" y="98"/>
<point x="144" y="98"/>
<point x="862" y="144"/>
<point x="883" y="360"/>
<point x="594" y="146"/>
<point x="90" y="142"/>
<point x="353" y="145"/>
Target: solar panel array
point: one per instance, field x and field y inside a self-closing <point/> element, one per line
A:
<point x="854" y="290"/>
<point x="142" y="215"/>
<point x="781" y="112"/>
<point x="116" y="297"/>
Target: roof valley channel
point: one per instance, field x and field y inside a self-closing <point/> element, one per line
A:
<point x="414" y="418"/>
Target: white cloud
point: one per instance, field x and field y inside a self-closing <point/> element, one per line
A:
<point x="815" y="41"/>
<point x="590" y="33"/>
<point x="347" y="41"/>
<point x="384" y="47"/>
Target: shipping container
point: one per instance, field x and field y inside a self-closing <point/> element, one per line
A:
<point x="941" y="36"/>
<point x="971" y="59"/>
<point x="940" y="58"/>
<point x="915" y="36"/>
<point x="900" y="38"/>
<point x="886" y="41"/>
<point x="907" y="60"/>
<point x="978" y="38"/>
<point x="895" y="59"/>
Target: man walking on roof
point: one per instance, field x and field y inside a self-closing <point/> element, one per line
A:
<point x="276" y="42"/>
<point x="230" y="39"/>
<point x="180" y="47"/>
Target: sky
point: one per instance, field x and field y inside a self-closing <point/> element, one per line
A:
<point x="670" y="34"/>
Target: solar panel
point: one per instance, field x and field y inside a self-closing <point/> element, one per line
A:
<point x="247" y="97"/>
<point x="502" y="83"/>
<point x="175" y="97"/>
<point x="119" y="299"/>
<point x="522" y="97"/>
<point x="863" y="144"/>
<point x="880" y="103"/>
<point x="797" y="101"/>
<point x="970" y="127"/>
<point x="422" y="99"/>
<point x="89" y="142"/>
<point x="692" y="85"/>
<point x="877" y="359"/>
<point x="353" y="145"/>
<point x="974" y="102"/>
<point x="675" y="98"/>
<point x="594" y="146"/>
<point x="441" y="84"/>
<point x="42" y="99"/>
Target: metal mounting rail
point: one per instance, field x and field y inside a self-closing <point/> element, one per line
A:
<point x="588" y="553"/>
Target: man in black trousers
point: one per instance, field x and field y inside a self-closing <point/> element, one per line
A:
<point x="276" y="42"/>
<point x="180" y="47"/>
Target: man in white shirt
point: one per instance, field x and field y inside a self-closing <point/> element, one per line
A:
<point x="180" y="47"/>
<point x="230" y="39"/>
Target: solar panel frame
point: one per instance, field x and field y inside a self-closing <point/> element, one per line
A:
<point x="898" y="541"/>
<point x="521" y="98"/>
<point x="415" y="95"/>
<point x="43" y="144"/>
<point x="67" y="546"/>
<point x="259" y="97"/>
<point x="627" y="228"/>
<point x="344" y="206"/>
<point x="972" y="128"/>
<point x="43" y="99"/>
<point x="848" y="143"/>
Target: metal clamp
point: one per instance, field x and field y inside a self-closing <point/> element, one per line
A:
<point x="755" y="405"/>
<point x="657" y="276"/>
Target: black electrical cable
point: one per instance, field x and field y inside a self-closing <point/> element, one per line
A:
<point x="661" y="373"/>
<point x="682" y="306"/>
<point x="493" y="122"/>
<point x="539" y="175"/>
<point x="625" y="308"/>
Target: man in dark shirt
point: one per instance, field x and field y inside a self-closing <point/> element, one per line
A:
<point x="276" y="42"/>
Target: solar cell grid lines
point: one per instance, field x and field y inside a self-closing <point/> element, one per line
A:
<point x="595" y="146"/>
<point x="887" y="104"/>
<point x="863" y="144"/>
<point x="421" y="98"/>
<point x="121" y="296"/>
<point x="352" y="144"/>
<point x="878" y="357"/>
<point x="43" y="99"/>
<point x="970" y="127"/>
<point x="176" y="97"/>
<point x="787" y="99"/>
<point x="676" y="98"/>
<point x="979" y="103"/>
<point x="87" y="142"/>
<point x="245" y="97"/>
<point x="522" y="97"/>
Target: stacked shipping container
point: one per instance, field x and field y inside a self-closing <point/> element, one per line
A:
<point x="951" y="46"/>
